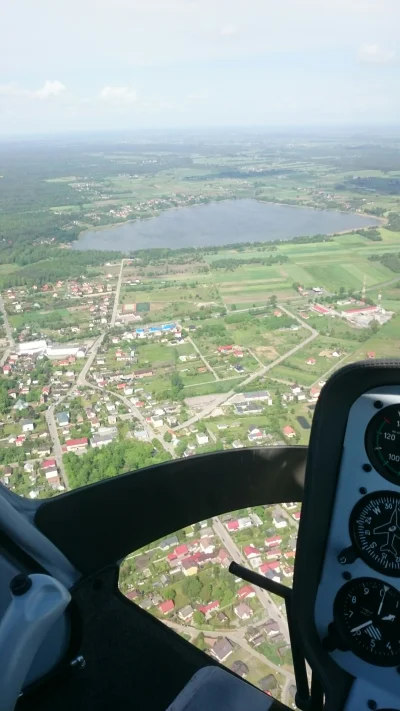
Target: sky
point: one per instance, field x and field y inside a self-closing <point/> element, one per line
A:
<point x="69" y="65"/>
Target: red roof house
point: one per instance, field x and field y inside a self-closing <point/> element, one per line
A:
<point x="206" y="609"/>
<point x="246" y="591"/>
<point x="49" y="464"/>
<point x="251" y="552"/>
<point x="273" y="541"/>
<point x="166" y="607"/>
<point x="232" y="525"/>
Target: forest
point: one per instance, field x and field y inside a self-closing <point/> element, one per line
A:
<point x="116" y="458"/>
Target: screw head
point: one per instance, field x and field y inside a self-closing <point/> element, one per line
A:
<point x="346" y="575"/>
<point x="362" y="490"/>
<point x="378" y="404"/>
<point x="20" y="584"/>
<point x="367" y="467"/>
<point x="372" y="704"/>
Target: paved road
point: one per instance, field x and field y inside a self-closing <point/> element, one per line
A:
<point x="93" y="353"/>
<point x="208" y="366"/>
<point x="265" y="369"/>
<point x="50" y="418"/>
<point x="383" y="283"/>
<point x="264" y="598"/>
<point x="57" y="450"/>
<point x="117" y="292"/>
<point x="6" y="322"/>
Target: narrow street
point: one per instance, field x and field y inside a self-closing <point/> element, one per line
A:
<point x="117" y="293"/>
<point x="50" y="418"/>
<point x="6" y="322"/>
<point x="206" y="363"/>
<point x="265" y="599"/>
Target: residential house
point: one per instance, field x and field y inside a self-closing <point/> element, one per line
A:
<point x="223" y="558"/>
<point x="251" y="552"/>
<point x="244" y="522"/>
<point x="259" y="396"/>
<point x="289" y="432"/>
<point x="208" y="609"/>
<point x="268" y="683"/>
<point x="222" y="650"/>
<point x="296" y="516"/>
<point x="143" y="373"/>
<point x="247" y="408"/>
<point x="181" y="551"/>
<point x="166" y="607"/>
<point x="232" y="525"/>
<point x="311" y="361"/>
<point x="168" y="543"/>
<point x="247" y="591"/>
<point x="62" y="418"/>
<point x="272" y="628"/>
<point x="186" y="613"/>
<point x="254" y="433"/>
<point x="189" y="567"/>
<point x="207" y="545"/>
<point x="201" y="438"/>
<point x="273" y="541"/>
<point x="77" y="445"/>
<point x="48" y="464"/>
<point x="27" y="425"/>
<point x="237" y="444"/>
<point x="98" y="441"/>
<point x="279" y="521"/>
<point x="274" y="553"/>
<point x="240" y="668"/>
<point x="243" y="611"/>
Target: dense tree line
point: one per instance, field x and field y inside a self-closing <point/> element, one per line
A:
<point x="63" y="264"/>
<point x="391" y="260"/>
<point x="372" y="234"/>
<point x="114" y="459"/>
<point x="231" y="264"/>
<point x="393" y="222"/>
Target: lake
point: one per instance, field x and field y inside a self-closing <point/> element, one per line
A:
<point x="220" y="223"/>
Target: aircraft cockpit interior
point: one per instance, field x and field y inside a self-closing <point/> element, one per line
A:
<point x="69" y="639"/>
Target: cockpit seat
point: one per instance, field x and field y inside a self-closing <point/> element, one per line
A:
<point x="213" y="689"/>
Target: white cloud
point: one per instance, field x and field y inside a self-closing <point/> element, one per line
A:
<point x="228" y="31"/>
<point x="48" y="90"/>
<point x="374" y="54"/>
<point x="118" y="94"/>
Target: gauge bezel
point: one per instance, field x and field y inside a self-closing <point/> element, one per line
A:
<point x="376" y="462"/>
<point x="343" y="630"/>
<point x="365" y="556"/>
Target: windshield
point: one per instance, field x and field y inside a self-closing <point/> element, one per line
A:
<point x="199" y="223"/>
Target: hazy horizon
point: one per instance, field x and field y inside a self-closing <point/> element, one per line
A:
<point x="180" y="63"/>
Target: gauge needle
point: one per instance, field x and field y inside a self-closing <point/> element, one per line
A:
<point x="390" y="618"/>
<point x="383" y="597"/>
<point x="360" y="627"/>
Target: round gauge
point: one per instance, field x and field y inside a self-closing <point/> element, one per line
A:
<point x="382" y="442"/>
<point x="367" y="620"/>
<point x="375" y="531"/>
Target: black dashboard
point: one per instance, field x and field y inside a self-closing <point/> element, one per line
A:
<point x="346" y="593"/>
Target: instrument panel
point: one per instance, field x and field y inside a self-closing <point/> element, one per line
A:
<point x="357" y="606"/>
